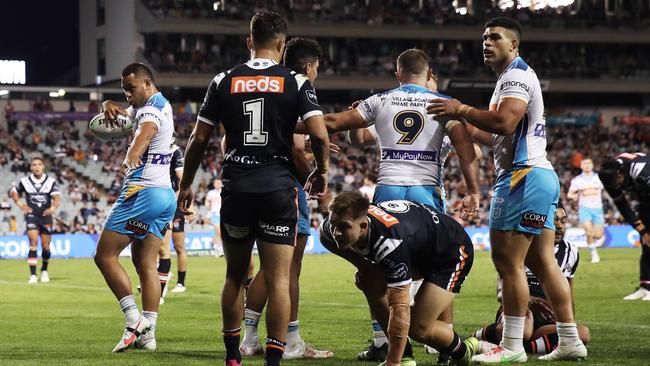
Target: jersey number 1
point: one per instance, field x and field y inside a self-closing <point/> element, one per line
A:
<point x="254" y="109"/>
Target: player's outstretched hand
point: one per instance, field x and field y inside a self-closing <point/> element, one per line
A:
<point x="444" y="107"/>
<point x="184" y="202"/>
<point x="316" y="184"/>
<point x="111" y="110"/>
<point x="471" y="203"/>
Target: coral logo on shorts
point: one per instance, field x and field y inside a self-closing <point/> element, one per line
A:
<point x="533" y="220"/>
<point x="137" y="227"/>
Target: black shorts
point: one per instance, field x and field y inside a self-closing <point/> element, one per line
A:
<point x="178" y="224"/>
<point x="41" y="223"/>
<point x="451" y="272"/>
<point x="271" y="217"/>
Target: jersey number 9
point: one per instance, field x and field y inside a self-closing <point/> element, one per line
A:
<point x="409" y="124"/>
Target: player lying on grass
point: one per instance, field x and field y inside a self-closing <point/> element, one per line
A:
<point x="540" y="332"/>
<point x="391" y="245"/>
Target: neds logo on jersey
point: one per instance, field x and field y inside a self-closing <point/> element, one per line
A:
<point x="257" y="84"/>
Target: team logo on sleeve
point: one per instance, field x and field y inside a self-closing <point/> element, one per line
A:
<point x="311" y="97"/>
<point x="382" y="216"/>
<point x="533" y="220"/>
<point x="399" y="271"/>
<point x="516" y="84"/>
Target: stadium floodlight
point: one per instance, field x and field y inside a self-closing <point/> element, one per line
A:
<point x="61" y="92"/>
<point x="532" y="4"/>
<point x="54" y="94"/>
<point x="4" y="92"/>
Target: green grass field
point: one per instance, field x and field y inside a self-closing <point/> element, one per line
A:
<point x="75" y="320"/>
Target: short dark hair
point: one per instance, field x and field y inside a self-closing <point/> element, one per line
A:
<point x="301" y="51"/>
<point x="609" y="172"/>
<point x="138" y="69"/>
<point x="354" y="204"/>
<point x="37" y="158"/>
<point x="266" y="25"/>
<point x="413" y="61"/>
<point x="507" y="23"/>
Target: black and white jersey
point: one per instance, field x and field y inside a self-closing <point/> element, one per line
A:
<point x="177" y="163"/>
<point x="567" y="257"/>
<point x="412" y="240"/>
<point x="636" y="168"/>
<point x="38" y="192"/>
<point x="259" y="103"/>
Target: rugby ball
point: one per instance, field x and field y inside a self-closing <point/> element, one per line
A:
<point x="104" y="131"/>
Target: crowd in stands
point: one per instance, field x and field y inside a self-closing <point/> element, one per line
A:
<point x="88" y="200"/>
<point x="211" y="54"/>
<point x="632" y="14"/>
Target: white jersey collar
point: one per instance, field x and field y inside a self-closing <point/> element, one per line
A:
<point x="260" y="63"/>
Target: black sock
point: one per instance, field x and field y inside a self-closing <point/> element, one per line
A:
<point x="32" y="261"/>
<point x="181" y="277"/>
<point x="231" y="341"/>
<point x="456" y="349"/>
<point x="46" y="259"/>
<point x="408" y="350"/>
<point x="490" y="334"/>
<point x="164" y="265"/>
<point x="274" y="351"/>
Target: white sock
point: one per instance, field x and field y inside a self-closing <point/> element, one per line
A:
<point x="251" y="320"/>
<point x="379" y="337"/>
<point x="567" y="334"/>
<point x="130" y="309"/>
<point x="293" y="335"/>
<point x="513" y="333"/>
<point x="152" y="317"/>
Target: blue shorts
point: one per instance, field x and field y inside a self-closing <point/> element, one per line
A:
<point x="140" y="210"/>
<point x="215" y="219"/>
<point x="525" y="200"/>
<point x="429" y="195"/>
<point x="303" y="211"/>
<point x="594" y="215"/>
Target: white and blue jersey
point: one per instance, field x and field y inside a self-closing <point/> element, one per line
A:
<point x="527" y="189"/>
<point x="527" y="146"/>
<point x="410" y="141"/>
<point x="154" y="171"/>
<point x="590" y="197"/>
<point x="147" y="202"/>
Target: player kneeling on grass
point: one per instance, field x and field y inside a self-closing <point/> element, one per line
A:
<point x="540" y="330"/>
<point x="406" y="241"/>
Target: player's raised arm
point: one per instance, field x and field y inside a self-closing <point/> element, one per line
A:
<point x="344" y="121"/>
<point x="462" y="142"/>
<point x="501" y="120"/>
